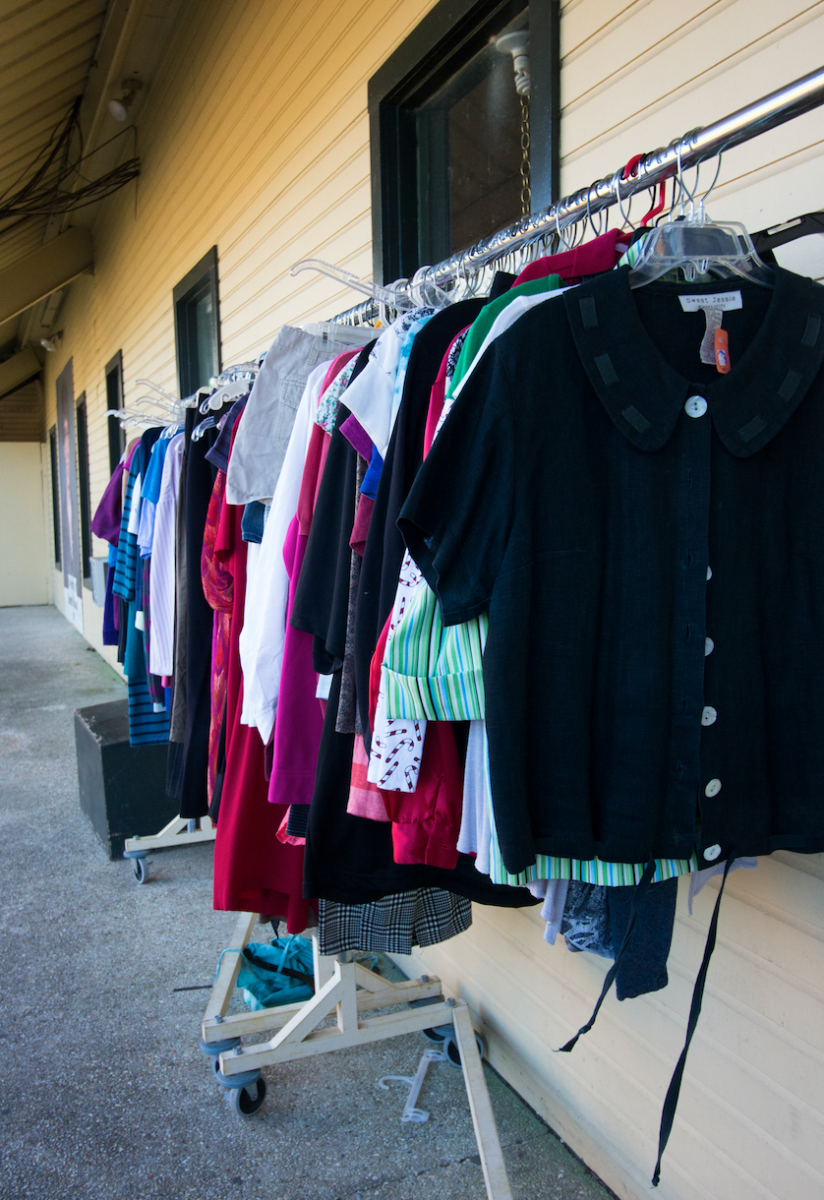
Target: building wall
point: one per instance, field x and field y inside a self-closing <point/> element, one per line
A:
<point x="24" y="548"/>
<point x="255" y="138"/>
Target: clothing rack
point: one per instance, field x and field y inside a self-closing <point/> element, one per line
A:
<point x="349" y="993"/>
<point x="780" y="106"/>
<point x="183" y="831"/>
<point x="344" y="989"/>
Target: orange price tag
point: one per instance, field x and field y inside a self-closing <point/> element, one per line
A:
<point x="722" y="351"/>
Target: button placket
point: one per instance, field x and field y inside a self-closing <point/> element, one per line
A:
<point x="709" y="715"/>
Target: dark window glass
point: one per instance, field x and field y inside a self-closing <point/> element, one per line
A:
<point x="55" y="494"/>
<point x="446" y="131"/>
<point x="469" y="156"/>
<point x="197" y="325"/>
<point x="114" y="399"/>
<point x="83" y="484"/>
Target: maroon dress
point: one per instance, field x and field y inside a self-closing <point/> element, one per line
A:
<point x="254" y="872"/>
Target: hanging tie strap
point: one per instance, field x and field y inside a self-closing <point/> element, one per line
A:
<point x="674" y="1089"/>
<point x="640" y="892"/>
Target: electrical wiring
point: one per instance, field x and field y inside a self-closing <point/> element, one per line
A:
<point x="54" y="181"/>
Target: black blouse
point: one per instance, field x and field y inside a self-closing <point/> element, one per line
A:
<point x="648" y="537"/>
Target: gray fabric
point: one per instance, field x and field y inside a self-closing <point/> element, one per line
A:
<point x="264" y="428"/>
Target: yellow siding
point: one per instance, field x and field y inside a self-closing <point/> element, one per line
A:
<point x="255" y="137"/>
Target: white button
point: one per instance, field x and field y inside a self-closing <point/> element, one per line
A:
<point x="709" y="716"/>
<point x="709" y="574"/>
<point x="713" y="787"/>
<point x="696" y="406"/>
<point x="711" y="853"/>
<point x="709" y="646"/>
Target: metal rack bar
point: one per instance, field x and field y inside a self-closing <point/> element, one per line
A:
<point x="780" y="106"/>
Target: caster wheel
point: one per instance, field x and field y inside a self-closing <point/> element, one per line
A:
<point x="453" y="1054"/>
<point x="140" y="864"/>
<point x="213" y="1049"/>
<point x="216" y="1065"/>
<point x="246" y="1101"/>
<point x="433" y="1035"/>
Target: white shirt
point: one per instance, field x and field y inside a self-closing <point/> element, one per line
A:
<point x="372" y="397"/>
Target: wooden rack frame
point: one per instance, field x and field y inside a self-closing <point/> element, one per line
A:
<point x="179" y="832"/>
<point x="346" y="990"/>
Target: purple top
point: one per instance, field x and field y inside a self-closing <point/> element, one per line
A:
<point x="218" y="455"/>
<point x="357" y="436"/>
<point x="299" y="719"/>
<point x="106" y="520"/>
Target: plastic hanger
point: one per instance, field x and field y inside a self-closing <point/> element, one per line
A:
<point x="698" y="246"/>
<point x="766" y="240"/>
<point x="393" y="296"/>
<point x="222" y="395"/>
<point x="199" y="430"/>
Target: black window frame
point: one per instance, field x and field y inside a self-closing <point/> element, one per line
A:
<point x="114" y="399"/>
<point x="55" y="498"/>
<point x="447" y="37"/>
<point x="81" y="416"/>
<point x="203" y="275"/>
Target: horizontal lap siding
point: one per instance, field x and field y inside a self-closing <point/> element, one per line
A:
<point x="254" y="136"/>
<point x="750" y="1124"/>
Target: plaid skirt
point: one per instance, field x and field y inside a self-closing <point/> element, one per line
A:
<point x="394" y="924"/>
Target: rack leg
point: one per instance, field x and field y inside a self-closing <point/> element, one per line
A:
<point x="486" y="1131"/>
<point x="221" y="993"/>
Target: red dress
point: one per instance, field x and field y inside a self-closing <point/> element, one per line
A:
<point x="218" y="587"/>
<point x="254" y="872"/>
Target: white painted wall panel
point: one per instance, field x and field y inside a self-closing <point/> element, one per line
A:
<point x="24" y="566"/>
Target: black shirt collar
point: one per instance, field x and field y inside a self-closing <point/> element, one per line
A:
<point x="644" y="395"/>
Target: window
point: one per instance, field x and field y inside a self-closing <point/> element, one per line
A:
<point x="197" y="325"/>
<point x="83" y="483"/>
<point x="114" y="399"/>
<point x="55" y="494"/>
<point x="446" y="131"/>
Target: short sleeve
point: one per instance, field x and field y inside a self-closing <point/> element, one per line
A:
<point x="457" y="519"/>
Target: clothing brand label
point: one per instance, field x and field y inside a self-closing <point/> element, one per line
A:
<point x="722" y="300"/>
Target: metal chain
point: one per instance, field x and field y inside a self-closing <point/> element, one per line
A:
<point x="526" y="180"/>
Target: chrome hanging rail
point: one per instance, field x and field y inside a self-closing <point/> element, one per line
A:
<point x="780" y="106"/>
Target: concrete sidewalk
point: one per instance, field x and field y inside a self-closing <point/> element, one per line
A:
<point x="104" y="1093"/>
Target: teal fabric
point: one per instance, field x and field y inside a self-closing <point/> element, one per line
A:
<point x="280" y="972"/>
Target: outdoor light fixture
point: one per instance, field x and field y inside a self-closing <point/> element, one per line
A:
<point x="516" y="44"/>
<point x="52" y="343"/>
<point x="119" y="109"/>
